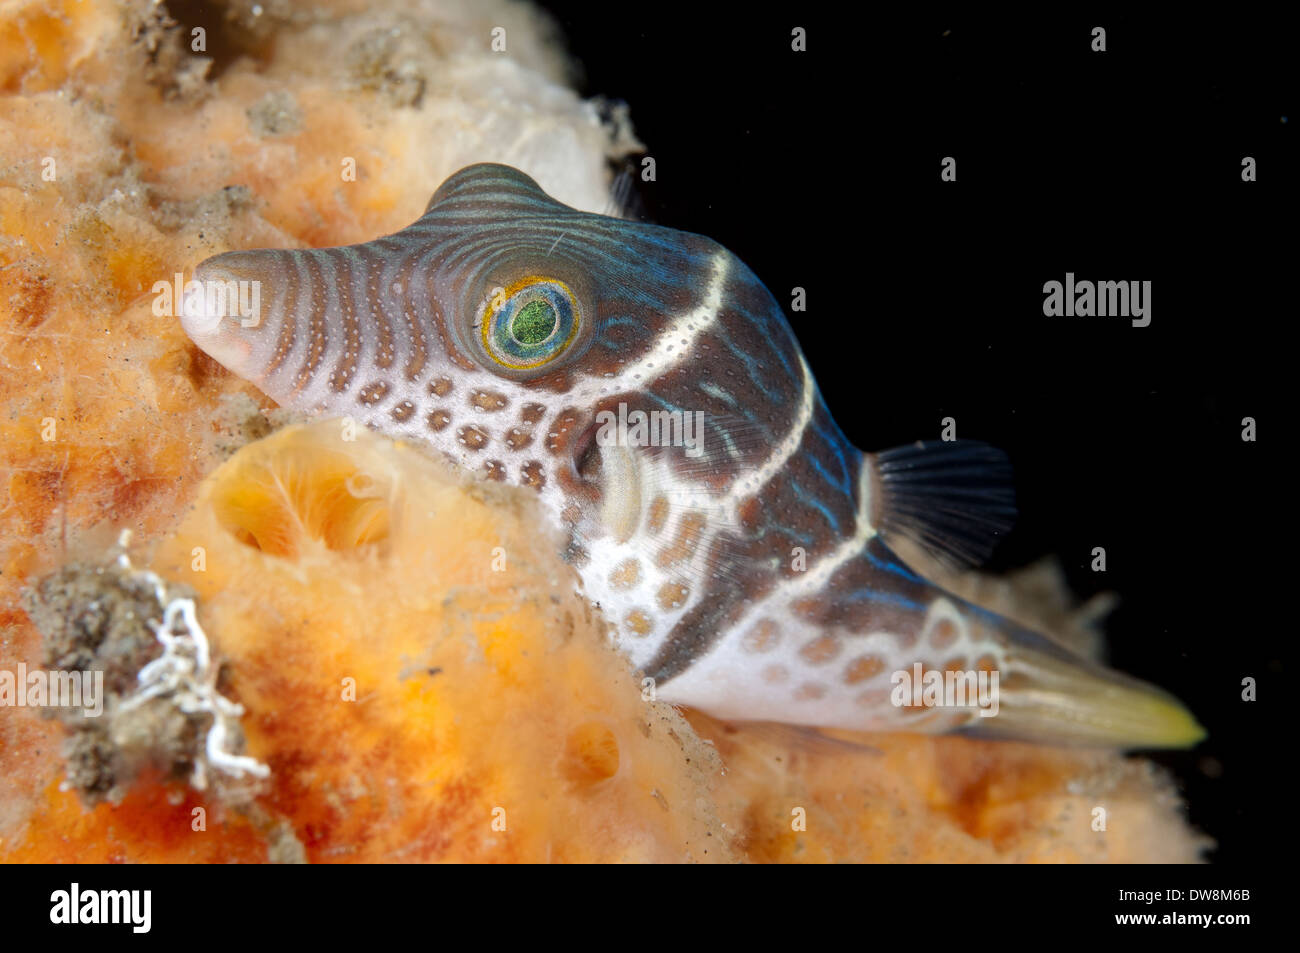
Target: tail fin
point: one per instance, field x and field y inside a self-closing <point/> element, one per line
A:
<point x="1049" y="695"/>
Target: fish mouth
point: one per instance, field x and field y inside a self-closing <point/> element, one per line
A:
<point x="222" y="309"/>
<point x="587" y="458"/>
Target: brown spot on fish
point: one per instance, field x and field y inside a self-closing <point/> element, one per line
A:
<point x="472" y="437"/>
<point x="531" y="413"/>
<point x="749" y="513"/>
<point x="488" y="400"/>
<point x="638" y="623"/>
<point x="557" y="438"/>
<point x="690" y="529"/>
<point x="439" y="419"/>
<point x="810" y="608"/>
<point x="658" y="515"/>
<point x="441" y="386"/>
<point x="626" y="574"/>
<point x="373" y="393"/>
<point x="809" y="692"/>
<point x="517" y="438"/>
<point x="533" y="475"/>
<point x="672" y="595"/>
<point x="821" y="650"/>
<point x="403" y="412"/>
<point x="495" y="470"/>
<point x="943" y="634"/>
<point x="762" y="637"/>
<point x="873" y="698"/>
<point x="863" y="668"/>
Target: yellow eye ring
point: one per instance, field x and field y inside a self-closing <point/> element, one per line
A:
<point x="530" y="323"/>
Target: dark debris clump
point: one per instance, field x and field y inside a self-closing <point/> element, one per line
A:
<point x="101" y="618"/>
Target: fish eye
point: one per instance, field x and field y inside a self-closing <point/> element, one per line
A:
<point x="530" y="323"/>
<point x="534" y="323"/>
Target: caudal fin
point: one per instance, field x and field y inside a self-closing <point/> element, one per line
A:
<point x="1046" y="694"/>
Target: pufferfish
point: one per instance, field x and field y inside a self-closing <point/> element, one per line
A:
<point x="647" y="387"/>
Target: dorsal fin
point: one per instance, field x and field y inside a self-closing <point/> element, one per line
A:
<point x="954" y="498"/>
<point x="491" y="185"/>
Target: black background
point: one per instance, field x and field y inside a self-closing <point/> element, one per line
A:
<point x="821" y="170"/>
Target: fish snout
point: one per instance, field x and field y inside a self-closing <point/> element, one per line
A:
<point x="224" y="306"/>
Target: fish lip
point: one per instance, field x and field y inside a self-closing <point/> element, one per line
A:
<point x="198" y="323"/>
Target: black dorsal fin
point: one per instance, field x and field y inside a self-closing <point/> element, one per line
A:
<point x="954" y="498"/>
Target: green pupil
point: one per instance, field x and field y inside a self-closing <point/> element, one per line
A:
<point x="534" y="323"/>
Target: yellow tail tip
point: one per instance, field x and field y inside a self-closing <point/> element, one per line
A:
<point x="1087" y="705"/>
<point x="1173" y="725"/>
